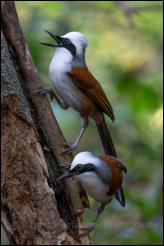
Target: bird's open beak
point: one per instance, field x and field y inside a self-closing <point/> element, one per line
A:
<point x="66" y="175"/>
<point x="58" y="39"/>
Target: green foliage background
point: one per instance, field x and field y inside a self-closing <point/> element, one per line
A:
<point x="125" y="55"/>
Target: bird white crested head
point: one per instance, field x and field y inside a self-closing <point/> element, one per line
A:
<point x="71" y="46"/>
<point x="84" y="158"/>
<point x="78" y="39"/>
<point x="80" y="43"/>
<point x="85" y="163"/>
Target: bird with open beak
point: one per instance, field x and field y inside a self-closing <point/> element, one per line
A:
<point x="77" y="88"/>
<point x="100" y="176"/>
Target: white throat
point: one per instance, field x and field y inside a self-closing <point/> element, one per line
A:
<point x="62" y="55"/>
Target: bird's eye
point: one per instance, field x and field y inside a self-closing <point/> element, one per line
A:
<point x="79" y="166"/>
<point x="67" y="41"/>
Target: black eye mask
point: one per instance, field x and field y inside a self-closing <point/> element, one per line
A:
<point x="62" y="42"/>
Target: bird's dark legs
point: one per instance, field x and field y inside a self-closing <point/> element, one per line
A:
<point x="52" y="96"/>
<point x="70" y="149"/>
<point x="92" y="226"/>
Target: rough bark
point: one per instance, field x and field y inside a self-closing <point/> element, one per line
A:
<point x="36" y="209"/>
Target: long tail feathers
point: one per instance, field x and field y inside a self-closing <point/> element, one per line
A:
<point x="110" y="150"/>
<point x="120" y="196"/>
<point x="106" y="139"/>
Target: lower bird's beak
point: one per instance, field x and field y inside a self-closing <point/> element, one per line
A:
<point x="58" y="39"/>
<point x="66" y="175"/>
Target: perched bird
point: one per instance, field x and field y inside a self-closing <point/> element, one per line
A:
<point x="100" y="176"/>
<point x="76" y="86"/>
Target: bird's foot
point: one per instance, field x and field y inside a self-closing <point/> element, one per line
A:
<point x="65" y="165"/>
<point x="69" y="148"/>
<point x="43" y="91"/>
<point x="88" y="230"/>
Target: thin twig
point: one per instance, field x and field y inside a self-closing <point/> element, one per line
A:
<point x="129" y="10"/>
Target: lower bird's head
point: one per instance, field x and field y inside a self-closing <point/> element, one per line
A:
<point x="82" y="163"/>
<point x="75" y="42"/>
<point x="85" y="164"/>
<point x="78" y="169"/>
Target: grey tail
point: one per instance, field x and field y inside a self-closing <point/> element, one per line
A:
<point x="106" y="139"/>
<point x="120" y="196"/>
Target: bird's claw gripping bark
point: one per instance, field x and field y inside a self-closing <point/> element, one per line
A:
<point x="65" y="165"/>
<point x="69" y="149"/>
<point x="42" y="91"/>
<point x="88" y="230"/>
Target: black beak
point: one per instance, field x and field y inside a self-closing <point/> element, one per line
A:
<point x="58" y="39"/>
<point x="66" y="175"/>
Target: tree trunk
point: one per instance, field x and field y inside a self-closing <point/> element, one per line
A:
<point x="36" y="209"/>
